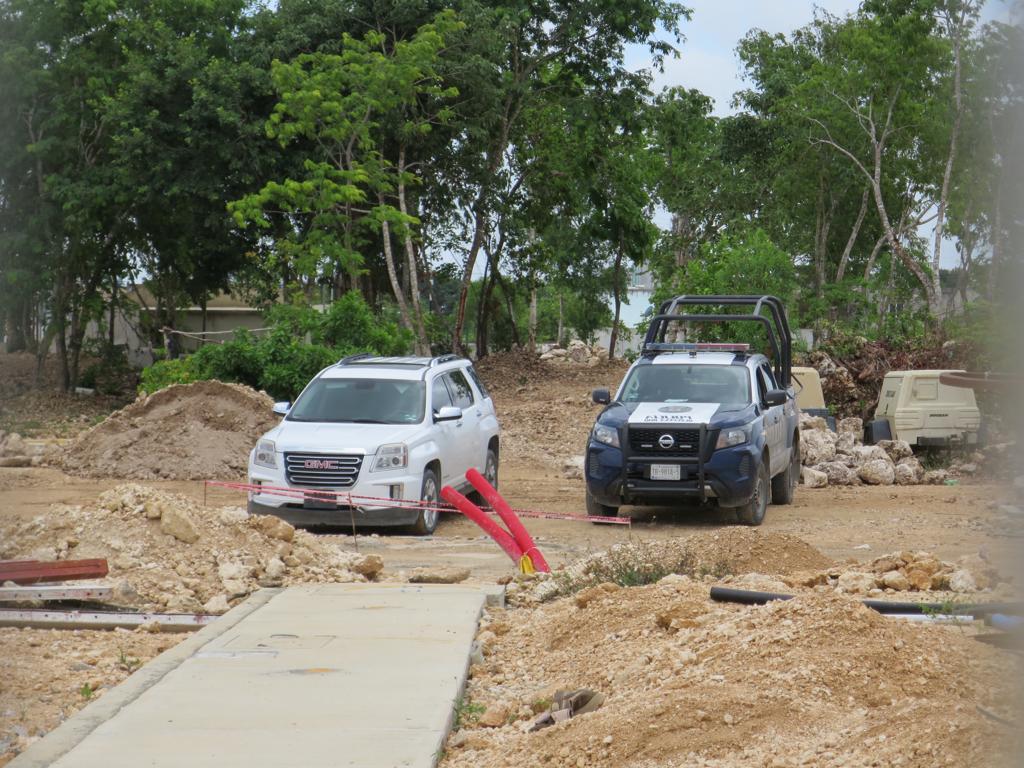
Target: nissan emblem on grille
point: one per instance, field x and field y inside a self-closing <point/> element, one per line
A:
<point x="666" y="441"/>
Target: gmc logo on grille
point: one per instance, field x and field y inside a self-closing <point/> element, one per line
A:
<point x="320" y="464"/>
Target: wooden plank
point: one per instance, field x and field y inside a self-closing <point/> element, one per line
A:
<point x="44" y="619"/>
<point x="55" y="592"/>
<point x="32" y="572"/>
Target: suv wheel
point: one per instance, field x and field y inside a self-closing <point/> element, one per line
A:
<point x="491" y="468"/>
<point x="784" y="484"/>
<point x="597" y="509"/>
<point x="752" y="513"/>
<point x="426" y="522"/>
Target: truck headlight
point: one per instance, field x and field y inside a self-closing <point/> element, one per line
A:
<point x="730" y="437"/>
<point x="265" y="455"/>
<point x="606" y="435"/>
<point x="391" y="456"/>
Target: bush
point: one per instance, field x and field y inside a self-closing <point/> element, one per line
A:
<point x="164" y="373"/>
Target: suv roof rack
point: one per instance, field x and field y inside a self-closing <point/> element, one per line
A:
<point x="777" y="326"/>
<point x="442" y="359"/>
<point x="353" y="358"/>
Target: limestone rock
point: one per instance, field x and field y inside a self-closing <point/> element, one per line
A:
<point x="274" y="527"/>
<point x="896" y="449"/>
<point x="216" y="604"/>
<point x="905" y="475"/>
<point x="852" y="424"/>
<point x="838" y="473"/>
<point x="369" y="566"/>
<point x="817" y="447"/>
<point x="935" y="477"/>
<point x="16" y="461"/>
<point x="813" y="422"/>
<point x="813" y="478"/>
<point x="919" y="579"/>
<point x="915" y="466"/>
<point x="438" y="575"/>
<point x="494" y="716"/>
<point x="572" y="468"/>
<point x="865" y="453"/>
<point x="895" y="580"/>
<point x="962" y="581"/>
<point x="846" y="442"/>
<point x="275" y="568"/>
<point x="14" y="445"/>
<point x="877" y="472"/>
<point x="855" y="582"/>
<point x="178" y="524"/>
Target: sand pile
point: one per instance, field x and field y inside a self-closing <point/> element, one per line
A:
<point x="818" y="680"/>
<point x="184" y="432"/>
<point x="168" y="553"/>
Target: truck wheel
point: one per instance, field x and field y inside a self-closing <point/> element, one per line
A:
<point x="426" y="521"/>
<point x="490" y="474"/>
<point x="752" y="513"/>
<point x="784" y="484"/>
<point x="597" y="509"/>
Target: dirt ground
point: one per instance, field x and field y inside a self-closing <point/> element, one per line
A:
<point x="545" y="413"/>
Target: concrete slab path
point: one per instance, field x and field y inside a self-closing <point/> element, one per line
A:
<point x="322" y="675"/>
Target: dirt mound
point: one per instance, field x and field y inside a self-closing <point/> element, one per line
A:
<point x="818" y="680"/>
<point x="725" y="552"/>
<point x="184" y="432"/>
<point x="167" y="553"/>
<point x="545" y="408"/>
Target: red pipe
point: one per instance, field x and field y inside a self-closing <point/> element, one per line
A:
<point x="515" y="527"/>
<point x="474" y="513"/>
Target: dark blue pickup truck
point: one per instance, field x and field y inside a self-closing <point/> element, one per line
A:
<point x="700" y="421"/>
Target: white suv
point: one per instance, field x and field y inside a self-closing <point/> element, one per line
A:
<point x="378" y="428"/>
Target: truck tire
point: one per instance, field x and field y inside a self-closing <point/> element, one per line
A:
<point x="426" y="521"/>
<point x="876" y="430"/>
<point x="597" y="509"/>
<point x="752" y="513"/>
<point x="784" y="483"/>
<point x="490" y="474"/>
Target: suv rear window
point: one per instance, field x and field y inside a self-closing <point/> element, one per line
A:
<point x="478" y="381"/>
<point x="461" y="390"/>
<point x="361" y="401"/>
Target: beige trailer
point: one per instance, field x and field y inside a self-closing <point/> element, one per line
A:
<point x="916" y="407"/>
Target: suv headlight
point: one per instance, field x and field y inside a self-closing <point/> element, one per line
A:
<point x="391" y="456"/>
<point x="265" y="455"/>
<point x="606" y="435"/>
<point x="730" y="437"/>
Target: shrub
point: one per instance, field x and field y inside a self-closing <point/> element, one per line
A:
<point x="164" y="373"/>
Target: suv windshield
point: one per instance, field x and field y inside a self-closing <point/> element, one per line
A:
<point x="361" y="401"/>
<point x="725" y="384"/>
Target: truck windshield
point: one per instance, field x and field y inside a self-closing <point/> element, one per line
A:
<point x="361" y="401"/>
<point x="724" y="384"/>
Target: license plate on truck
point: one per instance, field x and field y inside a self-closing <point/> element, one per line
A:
<point x="665" y="472"/>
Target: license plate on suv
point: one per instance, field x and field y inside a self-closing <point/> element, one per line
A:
<point x="665" y="472"/>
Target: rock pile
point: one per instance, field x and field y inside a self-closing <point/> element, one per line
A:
<point x="904" y="572"/>
<point x="841" y="458"/>
<point x="15" y="451"/>
<point x="168" y="553"/>
<point x="578" y="352"/>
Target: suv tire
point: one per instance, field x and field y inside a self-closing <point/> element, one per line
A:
<point x="426" y="521"/>
<point x="597" y="509"/>
<point x="752" y="513"/>
<point x="784" y="484"/>
<point x="490" y="474"/>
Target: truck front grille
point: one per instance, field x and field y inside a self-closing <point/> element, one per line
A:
<point x="322" y="470"/>
<point x="648" y="441"/>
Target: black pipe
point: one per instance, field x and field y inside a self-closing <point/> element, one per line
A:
<point x="749" y="597"/>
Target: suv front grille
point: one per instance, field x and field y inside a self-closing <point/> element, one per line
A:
<point x="646" y="441"/>
<point x="321" y="470"/>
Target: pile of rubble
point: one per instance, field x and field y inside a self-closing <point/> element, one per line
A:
<point x="168" y="553"/>
<point x="15" y="451"/>
<point x="578" y="352"/>
<point x="841" y="458"/>
<point x="684" y="681"/>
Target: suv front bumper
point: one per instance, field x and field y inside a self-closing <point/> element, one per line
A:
<point x="613" y="478"/>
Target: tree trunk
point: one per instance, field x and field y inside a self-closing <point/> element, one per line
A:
<point x="483" y="311"/>
<point x="616" y="294"/>
<point x="561" y="316"/>
<point x="389" y="261"/>
<point x="412" y="270"/>
<point x="533" y="314"/>
<point x="957" y="30"/>
<point x="852" y="239"/>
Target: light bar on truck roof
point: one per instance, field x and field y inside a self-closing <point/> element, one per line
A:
<point x="693" y="347"/>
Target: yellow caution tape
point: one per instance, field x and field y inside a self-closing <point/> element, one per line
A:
<point x="526" y="565"/>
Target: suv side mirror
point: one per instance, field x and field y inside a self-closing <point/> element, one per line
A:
<point x="448" y="413"/>
<point x="281" y="409"/>
<point x="601" y="396"/>
<point x="776" y="397"/>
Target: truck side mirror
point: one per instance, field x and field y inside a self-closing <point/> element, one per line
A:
<point x="775" y="397"/>
<point x="601" y="396"/>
